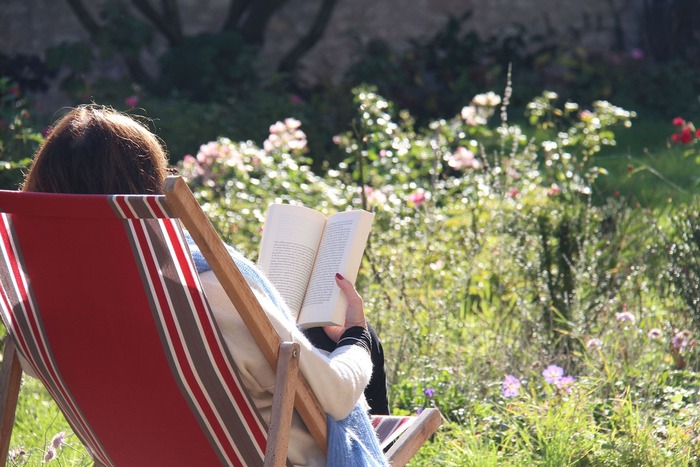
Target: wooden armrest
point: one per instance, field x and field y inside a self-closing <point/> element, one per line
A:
<point x="410" y="442"/>
<point x="282" y="405"/>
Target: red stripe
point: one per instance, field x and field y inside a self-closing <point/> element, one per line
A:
<point x="156" y="207"/>
<point x="124" y="206"/>
<point x="214" y="344"/>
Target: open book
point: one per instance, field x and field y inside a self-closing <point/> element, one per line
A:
<point x="302" y="250"/>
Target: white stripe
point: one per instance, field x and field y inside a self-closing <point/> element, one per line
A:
<point x="179" y="331"/>
<point x="64" y="394"/>
<point x="160" y="200"/>
<point x="212" y="325"/>
<point x="113" y="202"/>
<point x="128" y="204"/>
<point x="142" y="199"/>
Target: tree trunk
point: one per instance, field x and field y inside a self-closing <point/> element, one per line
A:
<point x="136" y="70"/>
<point x="167" y="23"/>
<point x="306" y="43"/>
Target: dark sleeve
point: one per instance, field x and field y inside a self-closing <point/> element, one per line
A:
<point x="376" y="391"/>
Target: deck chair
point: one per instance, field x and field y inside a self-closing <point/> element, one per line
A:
<point x="100" y="296"/>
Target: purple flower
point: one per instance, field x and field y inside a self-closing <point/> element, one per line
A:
<point x="49" y="454"/>
<point x="58" y="440"/>
<point x="419" y="410"/>
<point x="680" y="340"/>
<point x="511" y="386"/>
<point x="637" y="54"/>
<point x="625" y="317"/>
<point x="131" y="101"/>
<point x="654" y="333"/>
<point x="594" y="344"/>
<point x="565" y="383"/>
<point x="430" y="392"/>
<point x="553" y="373"/>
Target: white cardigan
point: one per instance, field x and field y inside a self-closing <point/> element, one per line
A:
<point x="337" y="379"/>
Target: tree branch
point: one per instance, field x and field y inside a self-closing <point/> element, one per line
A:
<point x="165" y="24"/>
<point x="254" y="25"/>
<point x="136" y="70"/>
<point x="171" y="12"/>
<point x="306" y="43"/>
<point x="84" y="16"/>
<point x="235" y="12"/>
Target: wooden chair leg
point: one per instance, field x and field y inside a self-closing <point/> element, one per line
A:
<point x="10" y="379"/>
<point x="411" y="441"/>
<point x="282" y="405"/>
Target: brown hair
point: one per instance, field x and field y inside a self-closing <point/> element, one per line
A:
<point x="96" y="150"/>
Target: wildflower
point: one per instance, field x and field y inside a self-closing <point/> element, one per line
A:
<point x="17" y="455"/>
<point x="419" y="410"/>
<point x="429" y="392"/>
<point x="46" y="131"/>
<point x="208" y="153"/>
<point x="417" y="198"/>
<point x="295" y="99"/>
<point x="58" y="440"/>
<point x="686" y="135"/>
<point x="436" y="265"/>
<point x="586" y="115"/>
<point x="463" y="158"/>
<point x="680" y="340"/>
<point x="511" y="386"/>
<point x="625" y="317"/>
<point x="679" y="122"/>
<point x="594" y="344"/>
<point x="565" y="383"/>
<point x="553" y="190"/>
<point x="131" y="101"/>
<point x="637" y="54"/>
<point x="50" y="454"/>
<point x="286" y="136"/>
<point x="513" y="192"/>
<point x="489" y="99"/>
<point x="553" y="373"/>
<point x="654" y="333"/>
<point x="512" y="173"/>
<point x="472" y="117"/>
<point x="292" y="123"/>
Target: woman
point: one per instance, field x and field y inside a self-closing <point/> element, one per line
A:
<point x="96" y="150"/>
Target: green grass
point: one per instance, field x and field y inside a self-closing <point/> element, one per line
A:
<point x="646" y="170"/>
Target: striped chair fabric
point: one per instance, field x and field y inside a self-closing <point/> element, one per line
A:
<point x="389" y="428"/>
<point x="103" y="301"/>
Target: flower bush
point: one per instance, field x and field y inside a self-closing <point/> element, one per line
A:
<point x="687" y="136"/>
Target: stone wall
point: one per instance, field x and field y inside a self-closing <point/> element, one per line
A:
<point x="31" y="26"/>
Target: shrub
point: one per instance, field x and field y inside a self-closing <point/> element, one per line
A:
<point x="18" y="140"/>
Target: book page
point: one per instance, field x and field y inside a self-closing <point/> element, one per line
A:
<point x="291" y="236"/>
<point x="341" y="249"/>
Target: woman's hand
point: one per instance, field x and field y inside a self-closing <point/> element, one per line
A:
<point x="355" y="313"/>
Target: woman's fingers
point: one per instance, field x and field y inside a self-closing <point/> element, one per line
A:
<point x="355" y="314"/>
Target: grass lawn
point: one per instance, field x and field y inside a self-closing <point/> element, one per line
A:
<point x="645" y="169"/>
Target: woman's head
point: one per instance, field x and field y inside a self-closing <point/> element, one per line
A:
<point x="97" y="150"/>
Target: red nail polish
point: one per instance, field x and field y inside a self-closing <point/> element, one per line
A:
<point x="339" y="276"/>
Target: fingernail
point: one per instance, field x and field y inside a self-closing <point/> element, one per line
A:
<point x="339" y="276"/>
